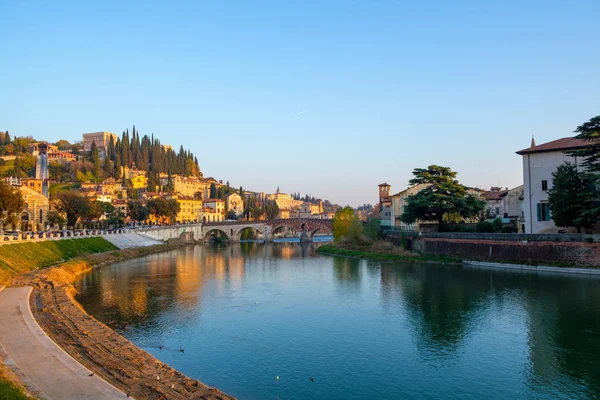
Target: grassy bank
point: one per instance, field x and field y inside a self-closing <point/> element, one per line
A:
<point x="381" y="251"/>
<point x="25" y="257"/>
<point x="8" y="389"/>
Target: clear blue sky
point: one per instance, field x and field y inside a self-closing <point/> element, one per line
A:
<point x="326" y="97"/>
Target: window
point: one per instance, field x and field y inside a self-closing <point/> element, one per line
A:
<point x="544" y="185"/>
<point x="543" y="212"/>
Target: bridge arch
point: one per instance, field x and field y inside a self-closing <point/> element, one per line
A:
<point x="215" y="230"/>
<point x="257" y="233"/>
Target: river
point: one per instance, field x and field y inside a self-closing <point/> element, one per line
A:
<point x="245" y="314"/>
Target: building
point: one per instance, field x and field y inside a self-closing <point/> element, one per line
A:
<point x="494" y="202"/>
<point x="36" y="147"/>
<point x="190" y="209"/>
<point x="399" y="202"/>
<point x="104" y="197"/>
<point x="186" y="186"/>
<point x="385" y="206"/>
<point x="513" y="206"/>
<point x="235" y="203"/>
<point x="284" y="200"/>
<point x="102" y="139"/>
<point x="310" y="210"/>
<point x="139" y="182"/>
<point x="213" y="210"/>
<point x="33" y="216"/>
<point x="120" y="206"/>
<point x="33" y="184"/>
<point x="539" y="162"/>
<point x="61" y="157"/>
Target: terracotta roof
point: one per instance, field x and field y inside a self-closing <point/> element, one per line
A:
<point x="495" y="195"/>
<point x="567" y="143"/>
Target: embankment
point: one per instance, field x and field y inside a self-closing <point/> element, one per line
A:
<point x="25" y="257"/>
<point x="382" y="251"/>
<point x="98" y="347"/>
<point x="555" y="253"/>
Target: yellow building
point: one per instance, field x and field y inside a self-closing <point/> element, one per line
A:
<point x="139" y="182"/>
<point x="33" y="184"/>
<point x="190" y="209"/>
<point x="186" y="186"/>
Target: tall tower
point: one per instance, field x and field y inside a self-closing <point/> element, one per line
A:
<point x="41" y="167"/>
<point x="384" y="193"/>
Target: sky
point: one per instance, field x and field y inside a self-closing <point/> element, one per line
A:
<point x="329" y="98"/>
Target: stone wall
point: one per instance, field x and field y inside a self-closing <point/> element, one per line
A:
<point x="581" y="254"/>
<point x="512" y="237"/>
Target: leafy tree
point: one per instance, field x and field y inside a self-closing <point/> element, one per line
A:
<point x="96" y="161"/>
<point x="590" y="131"/>
<point x="213" y="191"/>
<point x="443" y="195"/>
<point x="11" y="204"/>
<point x="231" y="215"/>
<point x="198" y="195"/>
<point x="572" y="199"/>
<point x="372" y="229"/>
<point x="54" y="218"/>
<point x="346" y="225"/>
<point x="74" y="205"/>
<point x="137" y="210"/>
<point x="174" y="208"/>
<point x="63" y="145"/>
<point x="271" y="209"/>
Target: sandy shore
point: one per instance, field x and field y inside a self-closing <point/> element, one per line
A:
<point x="98" y="347"/>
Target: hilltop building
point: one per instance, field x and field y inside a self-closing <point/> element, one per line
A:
<point x="102" y="139"/>
<point x="284" y="201"/>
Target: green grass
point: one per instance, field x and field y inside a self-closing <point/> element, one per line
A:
<point x="24" y="257"/>
<point x="62" y="187"/>
<point x="9" y="391"/>
<point x="332" y="250"/>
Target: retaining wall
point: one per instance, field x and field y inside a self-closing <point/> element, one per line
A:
<point x="580" y="254"/>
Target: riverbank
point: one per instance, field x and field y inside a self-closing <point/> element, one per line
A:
<point x="382" y="251"/>
<point x="93" y="344"/>
<point x="21" y="258"/>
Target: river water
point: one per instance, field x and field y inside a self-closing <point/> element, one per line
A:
<point x="247" y="313"/>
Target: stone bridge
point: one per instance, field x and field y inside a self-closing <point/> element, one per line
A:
<point x="232" y="231"/>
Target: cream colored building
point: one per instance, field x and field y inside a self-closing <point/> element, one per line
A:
<point x="102" y="139"/>
<point x="213" y="210"/>
<point x="310" y="210"/>
<point x="398" y="203"/>
<point x="235" y="203"/>
<point x="284" y="200"/>
<point x="33" y="216"/>
<point x="186" y="186"/>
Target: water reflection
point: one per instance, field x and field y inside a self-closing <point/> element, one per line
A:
<point x="400" y="330"/>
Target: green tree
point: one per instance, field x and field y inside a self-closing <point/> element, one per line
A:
<point x="589" y="131"/>
<point x="137" y="210"/>
<point x="96" y="161"/>
<point x="346" y="225"/>
<point x="271" y="209"/>
<point x="213" y="191"/>
<point x="55" y="219"/>
<point x="63" y="145"/>
<point x="572" y="199"/>
<point x="74" y="206"/>
<point x="11" y="204"/>
<point x="372" y="229"/>
<point x="443" y="195"/>
<point x="173" y="208"/>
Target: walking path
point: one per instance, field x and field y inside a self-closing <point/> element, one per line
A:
<point x="129" y="240"/>
<point x="49" y="372"/>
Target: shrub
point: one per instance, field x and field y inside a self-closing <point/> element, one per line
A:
<point x="508" y="229"/>
<point x="485" y="227"/>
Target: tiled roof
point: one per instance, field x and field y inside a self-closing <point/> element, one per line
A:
<point x="568" y="143"/>
<point x="495" y="195"/>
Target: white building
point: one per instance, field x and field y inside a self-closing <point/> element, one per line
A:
<point x="539" y="162"/>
